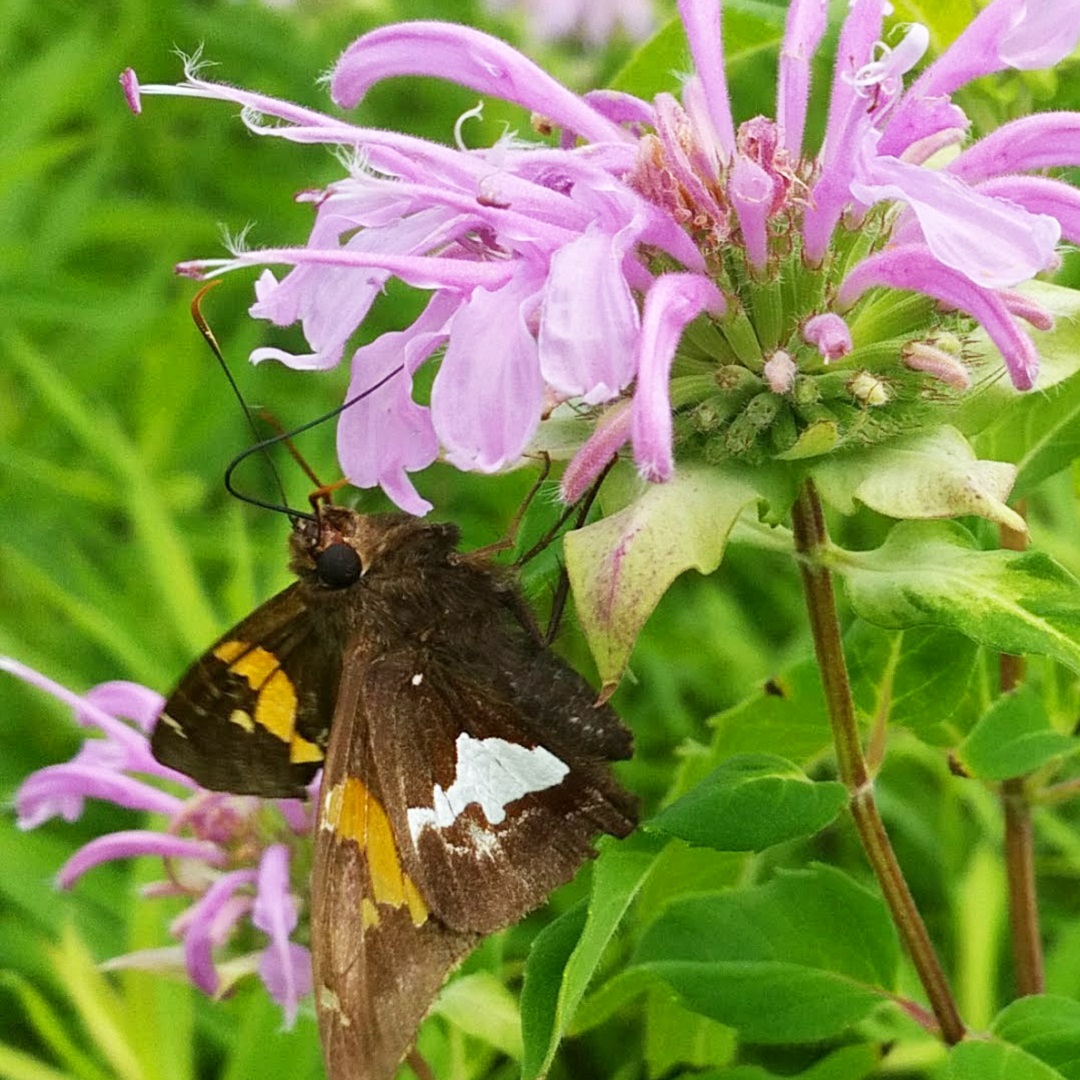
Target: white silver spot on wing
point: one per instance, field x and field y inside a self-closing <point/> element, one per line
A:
<point x="492" y="773"/>
<point x="418" y="678"/>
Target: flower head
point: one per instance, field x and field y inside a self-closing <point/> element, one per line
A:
<point x="229" y="856"/>
<point x="659" y="238"/>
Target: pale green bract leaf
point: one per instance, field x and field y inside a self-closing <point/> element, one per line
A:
<point x="620" y="567"/>
<point x="933" y="474"/>
<point x="1047" y="1027"/>
<point x="996" y="1061"/>
<point x="481" y="1005"/>
<point x="932" y="574"/>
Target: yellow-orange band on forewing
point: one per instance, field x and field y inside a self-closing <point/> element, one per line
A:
<point x="275" y="703"/>
<point x="353" y="813"/>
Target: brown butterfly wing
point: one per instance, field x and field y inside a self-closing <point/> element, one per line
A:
<point x="380" y="955"/>
<point x="489" y="813"/>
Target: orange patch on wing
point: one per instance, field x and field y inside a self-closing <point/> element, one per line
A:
<point x="353" y="813"/>
<point x="275" y="703"/>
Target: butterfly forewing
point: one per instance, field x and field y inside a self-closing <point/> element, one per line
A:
<point x="251" y="716"/>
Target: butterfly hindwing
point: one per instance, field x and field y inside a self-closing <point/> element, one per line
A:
<point x="489" y="815"/>
<point x="379" y="953"/>
<point x="251" y="716"/>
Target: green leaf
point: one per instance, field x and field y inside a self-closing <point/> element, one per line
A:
<point x="749" y="803"/>
<point x="560" y="968"/>
<point x="931" y="573"/>
<point x="1047" y="1027"/>
<point x="621" y="566"/>
<point x="996" y="1061"/>
<point x="933" y="474"/>
<point x="915" y="677"/>
<point x="675" y="1037"/>
<point x="482" y="1006"/>
<point x="1013" y="738"/>
<point x="798" y="959"/>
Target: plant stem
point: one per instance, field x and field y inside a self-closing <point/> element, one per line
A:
<point x="811" y="537"/>
<point x="1020" y="839"/>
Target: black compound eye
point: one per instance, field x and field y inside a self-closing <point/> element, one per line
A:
<point x="338" y="566"/>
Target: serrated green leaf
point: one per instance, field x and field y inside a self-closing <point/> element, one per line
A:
<point x="619" y="873"/>
<point x="749" y="803"/>
<point x="621" y="566"/>
<point x="1013" y="738"/>
<point x="996" y="1061"/>
<point x="914" y="677"/>
<point x="931" y="573"/>
<point x="932" y="474"/>
<point x="798" y="959"/>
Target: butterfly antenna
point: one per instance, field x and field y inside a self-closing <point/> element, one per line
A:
<point x="285" y="437"/>
<point x="208" y="335"/>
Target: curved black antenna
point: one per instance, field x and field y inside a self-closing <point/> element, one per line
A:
<point x="284" y="436"/>
<point x="208" y="334"/>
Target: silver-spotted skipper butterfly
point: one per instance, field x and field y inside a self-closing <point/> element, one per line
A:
<point x="464" y="765"/>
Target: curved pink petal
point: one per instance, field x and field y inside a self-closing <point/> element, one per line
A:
<point x="208" y="922"/>
<point x="285" y="968"/>
<point x="915" y="267"/>
<point x="1040" y="195"/>
<point x="131" y="844"/>
<point x="672" y="302"/>
<point x="128" y="699"/>
<point x="995" y="243"/>
<point x="487" y="396"/>
<point x="829" y="334"/>
<point x="61" y="789"/>
<point x="470" y="58"/>
<point x="1042" y="141"/>
<point x="589" y="320"/>
<point x="386" y="435"/>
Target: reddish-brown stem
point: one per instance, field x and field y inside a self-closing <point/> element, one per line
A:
<point x="1020" y="839"/>
<point x="811" y="539"/>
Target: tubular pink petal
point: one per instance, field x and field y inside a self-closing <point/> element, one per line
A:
<point x="282" y="964"/>
<point x="751" y="190"/>
<point x="207" y="923"/>
<point x="132" y="844"/>
<point x="487" y="396"/>
<point x="1040" y="195"/>
<point x="806" y="21"/>
<point x="62" y="789"/>
<point x="847" y="123"/>
<point x="609" y="436"/>
<point x="285" y="969"/>
<point x="914" y="267"/>
<point x="1043" y="141"/>
<point x="468" y="57"/>
<point x="1024" y="307"/>
<point x="672" y="302"/>
<point x="941" y="365"/>
<point x="621" y="108"/>
<point x="702" y="21"/>
<point x="128" y="699"/>
<point x="422" y="272"/>
<point x="995" y="243"/>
